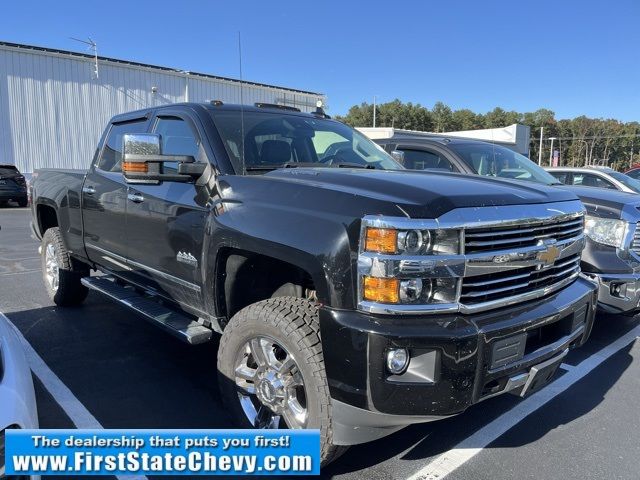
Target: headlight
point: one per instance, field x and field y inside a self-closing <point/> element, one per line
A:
<point x="605" y="231"/>
<point x="409" y="263"/>
<point x="412" y="242"/>
<point x="409" y="291"/>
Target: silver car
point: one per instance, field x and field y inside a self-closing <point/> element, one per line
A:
<point x="17" y="397"/>
<point x="599" y="177"/>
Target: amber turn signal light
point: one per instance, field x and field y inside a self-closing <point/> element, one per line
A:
<point x="382" y="290"/>
<point x="135" y="167"/>
<point x="381" y="240"/>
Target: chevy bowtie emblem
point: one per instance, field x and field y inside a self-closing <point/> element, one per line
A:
<point x="549" y="256"/>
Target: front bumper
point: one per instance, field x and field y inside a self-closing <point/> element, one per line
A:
<point x="618" y="292"/>
<point x="459" y="359"/>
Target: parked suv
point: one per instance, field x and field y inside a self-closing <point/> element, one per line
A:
<point x="599" y="177"/>
<point x="612" y="253"/>
<point x="353" y="296"/>
<point x="12" y="186"/>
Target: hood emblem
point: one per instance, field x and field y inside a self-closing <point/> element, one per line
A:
<point x="548" y="256"/>
<point x="188" y="258"/>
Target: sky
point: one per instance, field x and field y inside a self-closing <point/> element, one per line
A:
<point x="573" y="57"/>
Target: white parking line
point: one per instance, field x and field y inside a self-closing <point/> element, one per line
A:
<point x="471" y="446"/>
<point x="22" y="272"/>
<point x="75" y="410"/>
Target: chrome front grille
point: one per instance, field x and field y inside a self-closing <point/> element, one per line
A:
<point x="480" y="240"/>
<point x="508" y="255"/>
<point x="497" y="286"/>
<point x="635" y="243"/>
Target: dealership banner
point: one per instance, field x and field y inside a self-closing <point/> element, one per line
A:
<point x="162" y="452"/>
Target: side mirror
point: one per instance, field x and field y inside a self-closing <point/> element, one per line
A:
<point x="142" y="161"/>
<point x="398" y="156"/>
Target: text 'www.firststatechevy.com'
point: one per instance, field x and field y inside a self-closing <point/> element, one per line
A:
<point x="166" y="452"/>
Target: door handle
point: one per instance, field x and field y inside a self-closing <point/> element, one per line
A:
<point x="89" y="190"/>
<point x="135" y="197"/>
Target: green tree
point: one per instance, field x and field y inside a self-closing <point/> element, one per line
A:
<point x="442" y="117"/>
<point x="465" y="119"/>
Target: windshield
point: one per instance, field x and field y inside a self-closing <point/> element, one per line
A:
<point x="626" y="180"/>
<point x="496" y="161"/>
<point x="275" y="140"/>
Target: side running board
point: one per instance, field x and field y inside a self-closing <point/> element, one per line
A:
<point x="175" y="323"/>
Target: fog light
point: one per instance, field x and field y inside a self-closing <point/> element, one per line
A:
<point x="618" y="290"/>
<point x="397" y="360"/>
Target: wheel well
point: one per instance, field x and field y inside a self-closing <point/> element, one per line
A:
<point x="47" y="218"/>
<point x="250" y="277"/>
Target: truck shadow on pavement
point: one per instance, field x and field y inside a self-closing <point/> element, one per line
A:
<point x="130" y="374"/>
<point x="126" y="372"/>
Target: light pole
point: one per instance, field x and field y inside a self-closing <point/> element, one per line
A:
<point x="374" y="111"/>
<point x="551" y="151"/>
<point x="540" y="150"/>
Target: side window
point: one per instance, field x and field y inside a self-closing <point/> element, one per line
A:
<point x="176" y="138"/>
<point x="111" y="158"/>
<point x="560" y="176"/>
<point x="589" y="180"/>
<point x="426" y="160"/>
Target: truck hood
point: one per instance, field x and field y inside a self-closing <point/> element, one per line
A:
<point x="420" y="191"/>
<point x="606" y="203"/>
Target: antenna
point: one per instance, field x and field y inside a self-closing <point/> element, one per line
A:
<point x="242" y="163"/>
<point x="93" y="46"/>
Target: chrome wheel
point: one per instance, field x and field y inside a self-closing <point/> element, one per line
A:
<point x="52" y="268"/>
<point x="270" y="386"/>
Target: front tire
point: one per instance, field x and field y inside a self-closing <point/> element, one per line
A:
<point x="271" y="370"/>
<point x="23" y="202"/>
<point x="61" y="276"/>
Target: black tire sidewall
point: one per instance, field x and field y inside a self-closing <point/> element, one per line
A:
<point x="236" y="336"/>
<point x="70" y="289"/>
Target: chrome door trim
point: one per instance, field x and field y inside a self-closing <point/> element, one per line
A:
<point x="131" y="263"/>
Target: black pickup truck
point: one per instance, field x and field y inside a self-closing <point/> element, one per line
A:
<point x="352" y="295"/>
<point x="612" y="222"/>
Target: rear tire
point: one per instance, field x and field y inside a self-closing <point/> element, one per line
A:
<point x="60" y="274"/>
<point x="23" y="203"/>
<point x="288" y="333"/>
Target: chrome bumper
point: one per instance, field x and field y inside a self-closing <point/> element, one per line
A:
<point x="618" y="293"/>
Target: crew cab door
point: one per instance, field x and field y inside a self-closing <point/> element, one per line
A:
<point x="104" y="199"/>
<point x="166" y="221"/>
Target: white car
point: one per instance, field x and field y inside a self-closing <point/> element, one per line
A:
<point x="599" y="177"/>
<point x="17" y="396"/>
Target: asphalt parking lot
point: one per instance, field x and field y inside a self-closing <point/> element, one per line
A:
<point x="103" y="366"/>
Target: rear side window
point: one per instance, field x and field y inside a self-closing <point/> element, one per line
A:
<point x="111" y="158"/>
<point x="560" y="176"/>
<point x="425" y="160"/>
<point x="588" y="180"/>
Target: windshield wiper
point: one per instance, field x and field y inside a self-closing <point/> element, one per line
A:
<point x="352" y="165"/>
<point x="273" y="166"/>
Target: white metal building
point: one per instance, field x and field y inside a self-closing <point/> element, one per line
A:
<point x="53" y="106"/>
